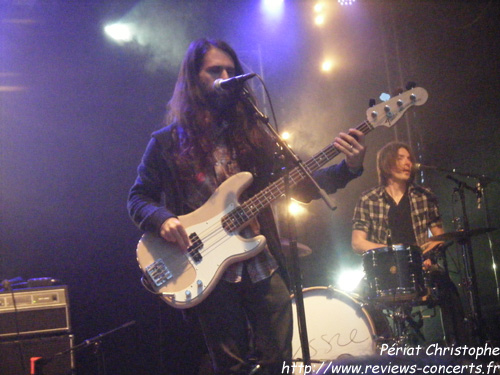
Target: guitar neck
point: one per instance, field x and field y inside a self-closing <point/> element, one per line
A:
<point x="241" y="215"/>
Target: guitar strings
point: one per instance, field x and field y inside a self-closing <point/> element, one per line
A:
<point x="312" y="165"/>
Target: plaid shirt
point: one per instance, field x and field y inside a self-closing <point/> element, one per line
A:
<point x="371" y="213"/>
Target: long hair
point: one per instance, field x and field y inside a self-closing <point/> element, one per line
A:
<point x="189" y="106"/>
<point x="386" y="160"/>
<point x="188" y="99"/>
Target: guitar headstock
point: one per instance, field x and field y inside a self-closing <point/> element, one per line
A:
<point x="390" y="111"/>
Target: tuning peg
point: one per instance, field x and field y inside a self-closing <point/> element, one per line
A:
<point x="387" y="110"/>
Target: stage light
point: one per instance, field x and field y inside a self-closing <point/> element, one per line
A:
<point x="327" y="66"/>
<point x="295" y="208"/>
<point x="346" y="2"/>
<point x="286" y="135"/>
<point x="273" y="8"/>
<point x="120" y="32"/>
<point x="319" y="7"/>
<point x="319" y="20"/>
<point x="348" y="280"/>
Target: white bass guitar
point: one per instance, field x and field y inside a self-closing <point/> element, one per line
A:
<point x="184" y="279"/>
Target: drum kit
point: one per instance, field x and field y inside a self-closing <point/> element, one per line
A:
<point x="343" y="324"/>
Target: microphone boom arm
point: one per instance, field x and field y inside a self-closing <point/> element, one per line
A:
<point x="288" y="150"/>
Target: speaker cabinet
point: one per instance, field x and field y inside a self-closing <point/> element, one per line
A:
<point x="15" y="355"/>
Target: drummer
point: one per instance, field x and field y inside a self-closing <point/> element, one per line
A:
<point x="398" y="211"/>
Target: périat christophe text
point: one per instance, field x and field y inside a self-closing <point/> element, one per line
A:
<point x="476" y="364"/>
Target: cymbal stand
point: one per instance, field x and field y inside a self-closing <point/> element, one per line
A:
<point x="471" y="288"/>
<point x="402" y="318"/>
<point x="482" y="183"/>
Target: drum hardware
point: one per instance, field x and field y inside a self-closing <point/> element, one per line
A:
<point x="461" y="235"/>
<point x="429" y="316"/>
<point x="302" y="250"/>
<point x="463" y="238"/>
<point x="403" y="321"/>
<point x="394" y="274"/>
<point x="416" y="326"/>
<point x="406" y="326"/>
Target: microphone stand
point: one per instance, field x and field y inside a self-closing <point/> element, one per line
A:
<point x="481" y="177"/>
<point x="296" y="273"/>
<point x="482" y="182"/>
<point x="470" y="271"/>
<point x="40" y="362"/>
<point x="481" y="185"/>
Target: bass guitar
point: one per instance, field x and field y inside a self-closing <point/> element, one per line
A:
<point x="183" y="279"/>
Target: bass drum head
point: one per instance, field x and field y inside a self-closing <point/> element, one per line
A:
<point x="337" y="325"/>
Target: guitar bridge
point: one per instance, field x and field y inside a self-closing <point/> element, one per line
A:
<point x="194" y="249"/>
<point x="158" y="272"/>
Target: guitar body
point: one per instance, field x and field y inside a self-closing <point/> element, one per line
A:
<point x="184" y="280"/>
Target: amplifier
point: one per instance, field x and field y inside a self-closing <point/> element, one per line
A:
<point x="36" y="311"/>
<point x="15" y="355"/>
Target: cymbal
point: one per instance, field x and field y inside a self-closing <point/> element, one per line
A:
<point x="302" y="250"/>
<point x="461" y="234"/>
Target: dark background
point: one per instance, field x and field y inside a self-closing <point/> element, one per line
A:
<point x="77" y="110"/>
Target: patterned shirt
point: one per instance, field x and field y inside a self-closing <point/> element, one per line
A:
<point x="371" y="213"/>
<point x="198" y="191"/>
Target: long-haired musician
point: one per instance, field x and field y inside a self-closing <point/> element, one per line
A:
<point x="210" y="137"/>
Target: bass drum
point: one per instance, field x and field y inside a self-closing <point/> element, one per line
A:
<point x="338" y="325"/>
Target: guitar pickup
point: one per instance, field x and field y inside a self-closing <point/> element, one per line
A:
<point x="158" y="272"/>
<point x="194" y="249"/>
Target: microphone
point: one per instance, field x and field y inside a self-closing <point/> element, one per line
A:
<point x="232" y="83"/>
<point x="419" y="166"/>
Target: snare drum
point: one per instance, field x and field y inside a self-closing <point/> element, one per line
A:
<point x="395" y="274"/>
<point x="338" y="325"/>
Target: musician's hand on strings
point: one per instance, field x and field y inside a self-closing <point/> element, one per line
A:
<point x="173" y="231"/>
<point x="352" y="144"/>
